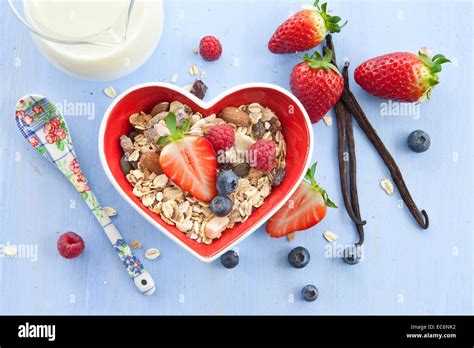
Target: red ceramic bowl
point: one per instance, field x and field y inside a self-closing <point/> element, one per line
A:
<point x="296" y="128"/>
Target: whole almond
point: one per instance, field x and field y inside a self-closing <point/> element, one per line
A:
<point x="235" y="116"/>
<point x="151" y="161"/>
<point x="160" y="107"/>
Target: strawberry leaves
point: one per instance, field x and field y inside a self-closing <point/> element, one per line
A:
<point x="176" y="133"/>
<point x="434" y="64"/>
<point x="310" y="173"/>
<point x="316" y="61"/>
<point x="332" y="22"/>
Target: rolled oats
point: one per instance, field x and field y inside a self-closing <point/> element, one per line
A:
<point x="152" y="253"/>
<point x="329" y="236"/>
<point x="109" y="211"/>
<point x="193" y="70"/>
<point x="387" y="186"/>
<point x="110" y="92"/>
<point x="328" y="120"/>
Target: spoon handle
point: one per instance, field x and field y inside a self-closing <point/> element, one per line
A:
<point x="140" y="276"/>
<point x="42" y="125"/>
<point x="69" y="166"/>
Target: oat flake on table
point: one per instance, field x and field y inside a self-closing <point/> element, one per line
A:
<point x="193" y="70"/>
<point x="109" y="211"/>
<point x="387" y="186"/>
<point x="328" y="120"/>
<point x="329" y="236"/>
<point x="152" y="253"/>
<point x="110" y="92"/>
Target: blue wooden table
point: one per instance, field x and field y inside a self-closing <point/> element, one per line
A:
<point x="405" y="269"/>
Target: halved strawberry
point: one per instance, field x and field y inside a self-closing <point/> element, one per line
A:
<point x="306" y="207"/>
<point x="189" y="161"/>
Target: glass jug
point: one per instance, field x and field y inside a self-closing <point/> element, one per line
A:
<point x="93" y="39"/>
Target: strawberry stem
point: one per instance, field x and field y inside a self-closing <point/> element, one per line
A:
<point x="176" y="133"/>
<point x="332" y="22"/>
<point x="310" y="173"/>
<point x="435" y="65"/>
<point x="316" y="61"/>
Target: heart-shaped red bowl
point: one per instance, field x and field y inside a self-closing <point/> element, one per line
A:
<point x="296" y="129"/>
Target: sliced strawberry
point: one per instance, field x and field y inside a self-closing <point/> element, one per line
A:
<point x="189" y="161"/>
<point x="306" y="207"/>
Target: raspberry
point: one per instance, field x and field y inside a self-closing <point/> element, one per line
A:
<point x="221" y="137"/>
<point x="70" y="245"/>
<point x="210" y="48"/>
<point x="262" y="155"/>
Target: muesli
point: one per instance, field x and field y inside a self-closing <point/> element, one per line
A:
<point x="204" y="174"/>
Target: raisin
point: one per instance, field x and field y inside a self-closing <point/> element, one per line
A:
<point x="242" y="169"/>
<point x="258" y="130"/>
<point x="279" y="176"/>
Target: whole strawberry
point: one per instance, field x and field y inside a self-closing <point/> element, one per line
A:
<point x="317" y="83"/>
<point x="400" y="76"/>
<point x="304" y="30"/>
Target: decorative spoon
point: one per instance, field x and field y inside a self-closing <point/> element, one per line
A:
<point x="41" y="123"/>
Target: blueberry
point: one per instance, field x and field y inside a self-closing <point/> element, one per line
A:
<point x="419" y="141"/>
<point x="221" y="205"/>
<point x="310" y="293"/>
<point x="298" y="257"/>
<point x="352" y="255"/>
<point x="227" y="182"/>
<point x="230" y="259"/>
